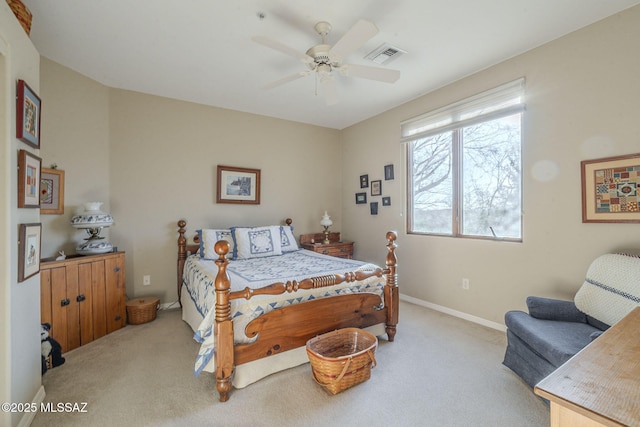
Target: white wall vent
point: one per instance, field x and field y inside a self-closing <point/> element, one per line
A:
<point x="384" y="53"/>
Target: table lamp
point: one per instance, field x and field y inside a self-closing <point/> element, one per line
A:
<point x="93" y="220"/>
<point x="326" y="223"/>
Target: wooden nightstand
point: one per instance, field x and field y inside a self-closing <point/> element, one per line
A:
<point x="336" y="247"/>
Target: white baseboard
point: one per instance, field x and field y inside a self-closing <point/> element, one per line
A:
<point x="28" y="417"/>
<point x="455" y="313"/>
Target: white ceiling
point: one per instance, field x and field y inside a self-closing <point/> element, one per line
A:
<point x="201" y="50"/>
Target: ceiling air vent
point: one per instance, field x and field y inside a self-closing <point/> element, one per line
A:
<point x="384" y="53"/>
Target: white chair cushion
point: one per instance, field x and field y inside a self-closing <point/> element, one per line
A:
<point x="611" y="289"/>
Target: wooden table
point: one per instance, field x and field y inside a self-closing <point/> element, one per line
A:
<point x="599" y="386"/>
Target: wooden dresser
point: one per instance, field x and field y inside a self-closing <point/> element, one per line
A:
<point x="599" y="386"/>
<point x="83" y="297"/>
<point x="336" y="247"/>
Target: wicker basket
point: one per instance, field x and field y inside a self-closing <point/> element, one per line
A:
<point x="22" y="13"/>
<point x="342" y="358"/>
<point x="142" y="310"/>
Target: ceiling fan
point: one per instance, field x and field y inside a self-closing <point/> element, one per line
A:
<point x="323" y="59"/>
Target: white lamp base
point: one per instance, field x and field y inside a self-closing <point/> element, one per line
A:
<point x="94" y="247"/>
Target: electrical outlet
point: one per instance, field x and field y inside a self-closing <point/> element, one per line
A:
<point x="465" y="284"/>
<point x="146" y="280"/>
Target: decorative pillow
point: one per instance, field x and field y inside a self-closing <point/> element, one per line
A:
<point x="256" y="242"/>
<point x="208" y="239"/>
<point x="611" y="289"/>
<point x="287" y="239"/>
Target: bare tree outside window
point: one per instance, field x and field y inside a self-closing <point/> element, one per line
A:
<point x="466" y="180"/>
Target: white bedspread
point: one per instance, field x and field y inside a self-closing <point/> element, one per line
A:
<point x="199" y="275"/>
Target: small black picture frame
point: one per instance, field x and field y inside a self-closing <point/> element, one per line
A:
<point x="374" y="208"/>
<point x="364" y="181"/>
<point x="386" y="201"/>
<point x="361" y="198"/>
<point x="388" y="172"/>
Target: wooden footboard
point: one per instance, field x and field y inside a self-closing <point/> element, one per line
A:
<point x="292" y="326"/>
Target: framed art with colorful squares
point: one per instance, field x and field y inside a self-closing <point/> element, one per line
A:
<point x="610" y="189"/>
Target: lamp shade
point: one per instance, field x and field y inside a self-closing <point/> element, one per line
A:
<point x="326" y="220"/>
<point x="92" y="217"/>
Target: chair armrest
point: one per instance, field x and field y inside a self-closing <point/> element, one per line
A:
<point x="555" y="309"/>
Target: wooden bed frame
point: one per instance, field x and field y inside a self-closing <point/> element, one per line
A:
<point x="292" y="326"/>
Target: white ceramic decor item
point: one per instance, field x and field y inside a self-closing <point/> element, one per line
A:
<point x="93" y="220"/>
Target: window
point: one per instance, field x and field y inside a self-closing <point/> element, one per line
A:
<point x="464" y="167"/>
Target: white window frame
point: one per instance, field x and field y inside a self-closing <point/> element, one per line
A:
<point x="502" y="101"/>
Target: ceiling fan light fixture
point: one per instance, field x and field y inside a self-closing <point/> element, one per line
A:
<point x="323" y="69"/>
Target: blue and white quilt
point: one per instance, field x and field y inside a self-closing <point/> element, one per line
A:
<point x="199" y="275"/>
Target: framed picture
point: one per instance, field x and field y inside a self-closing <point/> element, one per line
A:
<point x="361" y="198"/>
<point x="374" y="208"/>
<point x="610" y="189"/>
<point x="28" y="180"/>
<point x="364" y="181"/>
<point x="376" y="187"/>
<point x="386" y="201"/>
<point x="29" y="250"/>
<point x="52" y="191"/>
<point x="238" y="185"/>
<point x="388" y="172"/>
<point x="28" y="109"/>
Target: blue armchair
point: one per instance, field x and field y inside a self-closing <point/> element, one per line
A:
<point x="554" y="330"/>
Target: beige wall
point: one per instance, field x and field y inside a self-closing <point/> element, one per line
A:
<point x="76" y="139"/>
<point x="20" y="379"/>
<point x="582" y="102"/>
<point x="164" y="155"/>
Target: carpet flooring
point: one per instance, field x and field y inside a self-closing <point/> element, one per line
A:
<point x="440" y="371"/>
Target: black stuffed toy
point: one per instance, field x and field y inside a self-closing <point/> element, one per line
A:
<point x="50" y="347"/>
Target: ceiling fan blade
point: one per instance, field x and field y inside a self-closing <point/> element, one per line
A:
<point x="286" y="80"/>
<point x="265" y="41"/>
<point x="353" y="39"/>
<point x="372" y="73"/>
<point x="330" y="91"/>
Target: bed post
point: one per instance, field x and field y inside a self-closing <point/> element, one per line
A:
<point x="391" y="293"/>
<point x="182" y="255"/>
<point x="223" y="329"/>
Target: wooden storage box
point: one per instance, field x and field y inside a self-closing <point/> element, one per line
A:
<point x="142" y="310"/>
